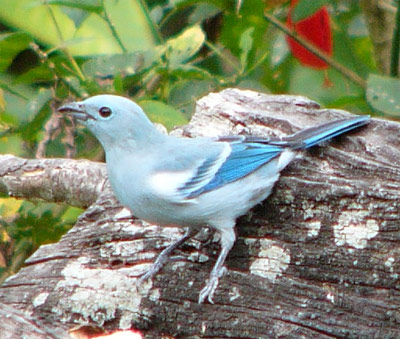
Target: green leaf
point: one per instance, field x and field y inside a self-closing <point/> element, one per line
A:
<point x="38" y="102"/>
<point x="190" y="72"/>
<point x="119" y="83"/>
<point x="163" y="113"/>
<point x="253" y="85"/>
<point x="10" y="45"/>
<point x="306" y="8"/>
<point x="36" y="109"/>
<point x="383" y="94"/>
<point x="12" y="144"/>
<point x="86" y="5"/>
<point x="41" y="73"/>
<point x="16" y="98"/>
<point x="184" y="46"/>
<point x="246" y="44"/>
<point x="78" y="16"/>
<point x="132" y="24"/>
<point x="185" y="93"/>
<point x="50" y="25"/>
<point x="310" y="83"/>
<point x="78" y="10"/>
<point x="46" y="71"/>
<point x="126" y="64"/>
<point x="35" y="19"/>
<point x="203" y="11"/>
<point x="71" y="214"/>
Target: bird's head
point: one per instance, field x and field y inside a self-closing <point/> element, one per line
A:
<point x="112" y="119"/>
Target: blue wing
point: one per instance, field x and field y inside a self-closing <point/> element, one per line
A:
<point x="247" y="154"/>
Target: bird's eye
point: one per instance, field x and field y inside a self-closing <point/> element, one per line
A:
<point x="105" y="112"/>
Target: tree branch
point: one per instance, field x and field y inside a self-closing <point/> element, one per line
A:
<point x="77" y="183"/>
<point x="319" y="259"/>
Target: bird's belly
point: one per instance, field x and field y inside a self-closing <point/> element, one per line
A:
<point x="225" y="203"/>
<point x="149" y="207"/>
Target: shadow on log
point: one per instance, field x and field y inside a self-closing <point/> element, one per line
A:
<point x="318" y="259"/>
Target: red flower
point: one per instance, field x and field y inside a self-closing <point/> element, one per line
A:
<point x="317" y="30"/>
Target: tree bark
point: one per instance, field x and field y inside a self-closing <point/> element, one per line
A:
<point x="318" y="259"/>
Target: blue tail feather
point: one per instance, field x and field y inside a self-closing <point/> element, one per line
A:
<point x="315" y="135"/>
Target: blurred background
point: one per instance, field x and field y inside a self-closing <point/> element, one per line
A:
<point x="166" y="54"/>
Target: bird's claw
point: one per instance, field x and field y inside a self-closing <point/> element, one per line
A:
<point x="155" y="268"/>
<point x="211" y="286"/>
<point x="147" y="275"/>
<point x="163" y="257"/>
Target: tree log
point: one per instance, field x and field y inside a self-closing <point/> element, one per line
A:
<point x="318" y="259"/>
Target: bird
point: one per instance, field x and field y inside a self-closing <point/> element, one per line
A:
<point x="191" y="182"/>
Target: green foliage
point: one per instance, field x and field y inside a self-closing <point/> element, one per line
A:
<point x="383" y="94"/>
<point x="164" y="54"/>
<point x="305" y="8"/>
<point x="22" y="232"/>
<point x="11" y="44"/>
<point x="163" y="113"/>
<point x="89" y="29"/>
<point x="180" y="49"/>
<point x="125" y="64"/>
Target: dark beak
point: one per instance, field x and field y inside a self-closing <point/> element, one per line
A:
<point x="76" y="109"/>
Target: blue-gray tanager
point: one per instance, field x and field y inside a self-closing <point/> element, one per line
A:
<point x="192" y="183"/>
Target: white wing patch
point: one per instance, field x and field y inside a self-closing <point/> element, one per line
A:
<point x="178" y="185"/>
<point x="205" y="172"/>
<point x="167" y="183"/>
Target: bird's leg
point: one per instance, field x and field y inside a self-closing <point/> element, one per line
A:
<point x="205" y="236"/>
<point x="163" y="257"/>
<point x="227" y="240"/>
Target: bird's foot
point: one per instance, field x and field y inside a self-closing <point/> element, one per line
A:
<point x="161" y="260"/>
<point x="212" y="284"/>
